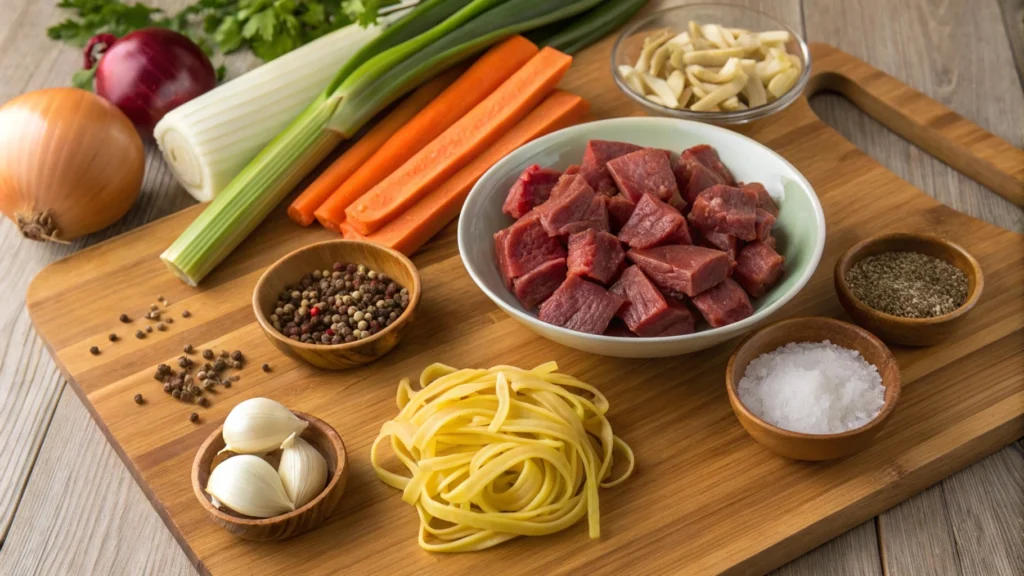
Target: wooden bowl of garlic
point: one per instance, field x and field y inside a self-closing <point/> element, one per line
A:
<point x="269" y="473"/>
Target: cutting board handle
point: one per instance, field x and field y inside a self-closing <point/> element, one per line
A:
<point x="965" y="146"/>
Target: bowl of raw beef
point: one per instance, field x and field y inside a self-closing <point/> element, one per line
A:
<point x="642" y="237"/>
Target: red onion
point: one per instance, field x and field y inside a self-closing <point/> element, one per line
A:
<point x="149" y="72"/>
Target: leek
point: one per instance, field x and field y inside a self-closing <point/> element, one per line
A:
<point x="207" y="141"/>
<point x="435" y="35"/>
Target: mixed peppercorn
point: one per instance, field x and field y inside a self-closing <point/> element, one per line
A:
<point x="349" y="302"/>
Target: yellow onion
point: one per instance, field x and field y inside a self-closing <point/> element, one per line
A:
<point x="71" y="163"/>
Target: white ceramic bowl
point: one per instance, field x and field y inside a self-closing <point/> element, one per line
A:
<point x="800" y="228"/>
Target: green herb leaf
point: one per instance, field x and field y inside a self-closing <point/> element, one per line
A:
<point x="221" y="72"/>
<point x="228" y="35"/>
<point x="262" y="23"/>
<point x="84" y="79"/>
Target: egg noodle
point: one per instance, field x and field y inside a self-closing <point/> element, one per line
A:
<point x="499" y="453"/>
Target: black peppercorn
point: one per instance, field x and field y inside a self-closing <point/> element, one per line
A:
<point x="185" y="314"/>
<point x="236" y="355"/>
<point x="124" y="318"/>
<point x="112" y="337"/>
<point x="266" y="367"/>
<point x="193" y="417"/>
<point x="176" y="393"/>
<point x="188" y="349"/>
<point x="167" y="387"/>
<point x="203" y="402"/>
<point x="208" y="354"/>
<point x="95" y="350"/>
<point x="236" y="365"/>
<point x="138" y="399"/>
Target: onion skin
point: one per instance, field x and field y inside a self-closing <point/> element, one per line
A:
<point x="71" y="163"/>
<point x="150" y="72"/>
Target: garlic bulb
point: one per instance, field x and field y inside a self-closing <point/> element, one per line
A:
<point x="303" y="470"/>
<point x="259" y="425"/>
<point x="248" y="485"/>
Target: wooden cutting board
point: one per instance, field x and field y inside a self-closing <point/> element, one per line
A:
<point x="705" y="498"/>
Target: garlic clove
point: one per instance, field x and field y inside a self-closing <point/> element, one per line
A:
<point x="248" y="485"/>
<point x="303" y="470"/>
<point x="259" y="425"/>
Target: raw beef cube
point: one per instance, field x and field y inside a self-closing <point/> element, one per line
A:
<point x="620" y="209"/>
<point x="594" y="168"/>
<point x="758" y="268"/>
<point x="770" y="241"/>
<point x="646" y="311"/>
<point x="726" y="209"/>
<point x="764" y="199"/>
<point x="500" y="238"/>
<point x="563" y="185"/>
<point x="724" y="242"/>
<point x="581" y="306"/>
<point x="595" y="254"/>
<point x="724" y="304"/>
<point x="532" y="188"/>
<point x="698" y="169"/>
<point x="763" y="222"/>
<point x="535" y="286"/>
<point x="574" y="210"/>
<point x="686" y="269"/>
<point x="526" y="246"/>
<point x="654" y="223"/>
<point x="642" y="172"/>
<point x="572" y="169"/>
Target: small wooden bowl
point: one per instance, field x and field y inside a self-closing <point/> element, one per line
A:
<point x="799" y="445"/>
<point x="290" y="269"/>
<point x="908" y="331"/>
<point x="303" y="519"/>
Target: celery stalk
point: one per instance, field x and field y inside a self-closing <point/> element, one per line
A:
<point x="252" y="195"/>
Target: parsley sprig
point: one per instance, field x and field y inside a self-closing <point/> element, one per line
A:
<point x="269" y="28"/>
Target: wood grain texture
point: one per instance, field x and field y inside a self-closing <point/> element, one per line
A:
<point x="88" y="516"/>
<point x="70" y="514"/>
<point x="935" y="432"/>
<point x="916" y="41"/>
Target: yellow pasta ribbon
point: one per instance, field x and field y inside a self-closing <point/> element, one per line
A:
<point x="495" y="454"/>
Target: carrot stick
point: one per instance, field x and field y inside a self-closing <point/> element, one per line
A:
<point x="429" y="215"/>
<point x="460" y="143"/>
<point x="301" y="209"/>
<point x="481" y="79"/>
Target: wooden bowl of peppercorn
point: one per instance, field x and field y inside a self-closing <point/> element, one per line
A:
<point x="337" y="304"/>
<point x="910" y="301"/>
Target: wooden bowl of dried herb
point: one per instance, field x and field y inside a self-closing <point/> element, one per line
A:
<point x="909" y="289"/>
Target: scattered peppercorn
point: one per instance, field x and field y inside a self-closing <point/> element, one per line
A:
<point x="161" y="327"/>
<point x="908" y="284"/>
<point x="203" y="402"/>
<point x="227" y="383"/>
<point x="236" y="355"/>
<point x="138" y="399"/>
<point x="95" y="350"/>
<point x="169" y="320"/>
<point x="188" y="349"/>
<point x="225" y="354"/>
<point x="175" y="392"/>
<point x="208" y="354"/>
<point x="236" y="365"/>
<point x="124" y="318"/>
<point x="154" y="307"/>
<point x="185" y="314"/>
<point x="266" y="367"/>
<point x="149" y="329"/>
<point x="193" y="417"/>
<point x="112" y="337"/>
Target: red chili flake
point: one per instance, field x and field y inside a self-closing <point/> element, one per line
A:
<point x="329" y="332"/>
<point x="314" y="311"/>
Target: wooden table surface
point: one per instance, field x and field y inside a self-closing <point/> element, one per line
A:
<point x="69" y="506"/>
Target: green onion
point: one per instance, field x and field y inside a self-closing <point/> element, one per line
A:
<point x="588" y="28"/>
<point x="434" y="36"/>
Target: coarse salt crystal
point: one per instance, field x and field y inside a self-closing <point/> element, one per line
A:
<point x="812" y="387"/>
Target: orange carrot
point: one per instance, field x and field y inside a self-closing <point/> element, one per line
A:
<point x="479" y="81"/>
<point x="350" y="233"/>
<point x="301" y="209"/>
<point x="460" y="143"/>
<point x="429" y="215"/>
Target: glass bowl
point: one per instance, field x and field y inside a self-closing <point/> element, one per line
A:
<point x="629" y="44"/>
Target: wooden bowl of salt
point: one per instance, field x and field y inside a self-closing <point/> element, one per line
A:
<point x="803" y="445"/>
